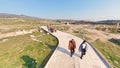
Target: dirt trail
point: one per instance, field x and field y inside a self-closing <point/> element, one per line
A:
<point x="16" y="33"/>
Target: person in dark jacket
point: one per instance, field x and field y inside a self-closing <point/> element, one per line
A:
<point x="72" y="46"/>
<point x="82" y="48"/>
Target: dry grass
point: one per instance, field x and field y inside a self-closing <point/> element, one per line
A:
<point x="109" y="49"/>
<point x="17" y="51"/>
<point x="10" y="25"/>
<point x="14" y="48"/>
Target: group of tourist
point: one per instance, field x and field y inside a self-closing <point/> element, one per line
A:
<point x="72" y="44"/>
<point x="51" y="29"/>
<point x="82" y="48"/>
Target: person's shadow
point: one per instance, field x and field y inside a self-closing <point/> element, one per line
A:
<point x="63" y="50"/>
<point x="29" y="62"/>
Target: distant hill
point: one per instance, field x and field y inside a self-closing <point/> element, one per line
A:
<point x="6" y="15"/>
<point x="89" y="22"/>
<point x="109" y="21"/>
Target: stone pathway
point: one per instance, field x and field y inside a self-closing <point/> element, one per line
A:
<point x="61" y="56"/>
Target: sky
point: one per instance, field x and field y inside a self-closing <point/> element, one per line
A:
<point x="64" y="9"/>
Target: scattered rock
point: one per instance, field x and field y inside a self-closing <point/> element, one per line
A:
<point x="40" y="41"/>
<point x="4" y="40"/>
<point x="41" y="31"/>
<point x="47" y="33"/>
<point x="116" y="62"/>
<point x="32" y="36"/>
<point x="35" y="39"/>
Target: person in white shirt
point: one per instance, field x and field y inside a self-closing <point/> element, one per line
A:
<point x="83" y="48"/>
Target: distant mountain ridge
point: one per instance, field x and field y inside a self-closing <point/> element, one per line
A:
<point x="90" y="22"/>
<point x="6" y="15"/>
<point x="109" y="21"/>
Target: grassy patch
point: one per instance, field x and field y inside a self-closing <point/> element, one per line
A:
<point x="113" y="30"/>
<point x="63" y="28"/>
<point x="110" y="29"/>
<point x="81" y="36"/>
<point x="110" y="51"/>
<point x="15" y="49"/>
<point x="75" y="31"/>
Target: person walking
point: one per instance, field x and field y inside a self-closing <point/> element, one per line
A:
<point x="72" y="46"/>
<point x="83" y="48"/>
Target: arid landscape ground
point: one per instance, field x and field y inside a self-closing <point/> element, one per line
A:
<point x="108" y="44"/>
<point x="23" y="44"/>
<point x="22" y="41"/>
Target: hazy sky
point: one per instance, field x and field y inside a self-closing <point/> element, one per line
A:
<point x="64" y="9"/>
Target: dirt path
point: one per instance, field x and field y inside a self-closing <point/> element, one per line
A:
<point x="16" y="33"/>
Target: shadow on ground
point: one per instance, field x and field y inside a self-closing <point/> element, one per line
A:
<point x="63" y="50"/>
<point x="115" y="41"/>
<point x="29" y="62"/>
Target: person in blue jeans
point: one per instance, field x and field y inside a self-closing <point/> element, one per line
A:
<point x="83" y="48"/>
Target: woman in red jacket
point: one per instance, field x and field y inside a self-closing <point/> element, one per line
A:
<point x="72" y="46"/>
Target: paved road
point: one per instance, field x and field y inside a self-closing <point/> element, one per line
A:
<point x="61" y="57"/>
